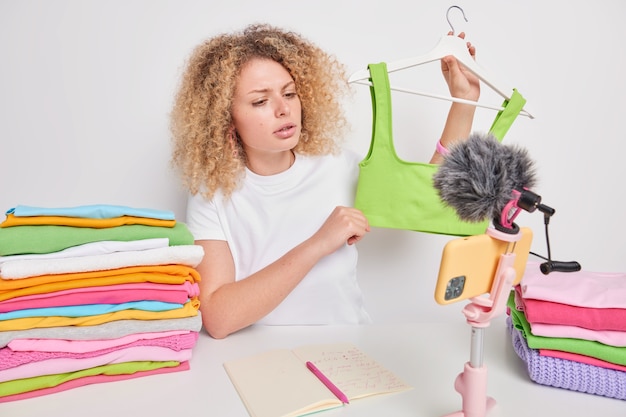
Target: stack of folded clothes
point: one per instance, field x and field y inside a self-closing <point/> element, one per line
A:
<point x="92" y="294"/>
<point x="570" y="329"/>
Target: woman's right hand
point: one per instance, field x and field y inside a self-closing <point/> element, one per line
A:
<point x="344" y="225"/>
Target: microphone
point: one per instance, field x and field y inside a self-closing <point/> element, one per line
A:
<point x="482" y="179"/>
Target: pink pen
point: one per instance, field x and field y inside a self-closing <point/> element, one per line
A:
<point x="332" y="387"/>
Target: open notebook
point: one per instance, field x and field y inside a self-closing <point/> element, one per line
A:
<point x="277" y="383"/>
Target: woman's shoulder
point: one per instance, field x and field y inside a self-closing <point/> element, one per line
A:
<point x="350" y="156"/>
<point x="343" y="164"/>
<point x="343" y="156"/>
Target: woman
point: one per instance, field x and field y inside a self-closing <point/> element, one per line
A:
<point x="257" y="124"/>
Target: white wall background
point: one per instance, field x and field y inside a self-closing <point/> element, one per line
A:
<point x="86" y="87"/>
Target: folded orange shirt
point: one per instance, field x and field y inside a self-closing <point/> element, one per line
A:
<point x="160" y="274"/>
<point x="12" y="220"/>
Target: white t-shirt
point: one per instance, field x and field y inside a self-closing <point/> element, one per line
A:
<point x="269" y="215"/>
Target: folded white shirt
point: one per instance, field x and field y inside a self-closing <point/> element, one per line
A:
<point x="189" y="255"/>
<point x="93" y="248"/>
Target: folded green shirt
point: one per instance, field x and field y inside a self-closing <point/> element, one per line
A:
<point x="19" y="386"/>
<point x="19" y="240"/>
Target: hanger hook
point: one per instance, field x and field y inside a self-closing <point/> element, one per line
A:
<point x="448" y="16"/>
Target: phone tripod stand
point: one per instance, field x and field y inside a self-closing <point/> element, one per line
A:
<point x="472" y="382"/>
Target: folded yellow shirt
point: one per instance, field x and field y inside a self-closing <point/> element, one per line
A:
<point x="12" y="220"/>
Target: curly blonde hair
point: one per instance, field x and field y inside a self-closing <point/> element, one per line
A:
<point x="201" y="117"/>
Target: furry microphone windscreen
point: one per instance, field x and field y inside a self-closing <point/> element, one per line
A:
<point x="479" y="174"/>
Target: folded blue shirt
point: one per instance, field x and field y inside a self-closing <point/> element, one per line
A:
<point x="89" y="309"/>
<point x="94" y="211"/>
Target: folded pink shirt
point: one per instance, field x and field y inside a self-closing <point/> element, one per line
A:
<point x="538" y="311"/>
<point x="607" y="337"/>
<point x="11" y="359"/>
<point x="582" y="288"/>
<point x="107" y="294"/>
<point x="65" y="365"/>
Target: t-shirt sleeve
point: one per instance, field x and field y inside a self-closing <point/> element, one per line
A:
<point x="203" y="220"/>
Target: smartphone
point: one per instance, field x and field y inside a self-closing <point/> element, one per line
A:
<point x="468" y="265"/>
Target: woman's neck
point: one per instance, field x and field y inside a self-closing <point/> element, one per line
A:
<point x="271" y="165"/>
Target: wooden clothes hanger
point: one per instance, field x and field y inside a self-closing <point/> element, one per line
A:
<point x="448" y="45"/>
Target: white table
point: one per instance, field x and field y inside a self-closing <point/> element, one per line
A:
<point x="428" y="356"/>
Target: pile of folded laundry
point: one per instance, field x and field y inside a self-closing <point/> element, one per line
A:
<point x="570" y="329"/>
<point x="92" y="294"/>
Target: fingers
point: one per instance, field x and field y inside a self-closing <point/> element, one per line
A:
<point x="354" y="222"/>
<point x="471" y="48"/>
<point x="355" y="238"/>
<point x="343" y="225"/>
<point x="449" y="63"/>
<point x="352" y="240"/>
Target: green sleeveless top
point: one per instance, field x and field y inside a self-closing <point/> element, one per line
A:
<point x="393" y="193"/>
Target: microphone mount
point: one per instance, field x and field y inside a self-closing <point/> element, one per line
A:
<point x="530" y="202"/>
<point x="522" y="200"/>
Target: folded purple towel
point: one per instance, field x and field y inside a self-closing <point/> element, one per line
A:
<point x="571" y="375"/>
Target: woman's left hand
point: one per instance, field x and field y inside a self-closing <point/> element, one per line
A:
<point x="461" y="82"/>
